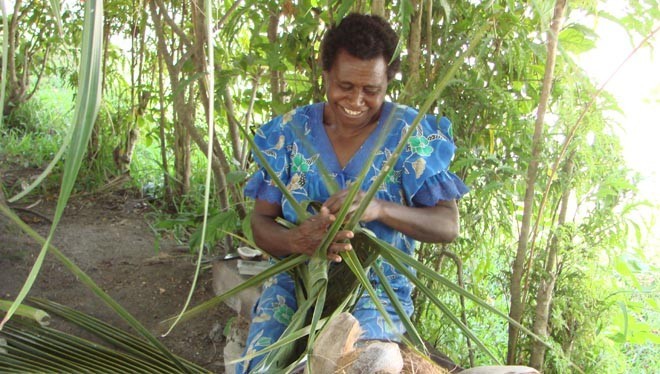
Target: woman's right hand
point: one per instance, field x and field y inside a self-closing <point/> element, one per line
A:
<point x="307" y="237"/>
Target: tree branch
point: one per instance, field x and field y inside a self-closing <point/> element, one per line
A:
<point x="170" y="22"/>
<point x="40" y="75"/>
<point x="160" y="39"/>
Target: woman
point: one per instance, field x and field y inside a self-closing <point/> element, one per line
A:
<point x="417" y="202"/>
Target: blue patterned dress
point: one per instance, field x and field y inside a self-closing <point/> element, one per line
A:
<point x="294" y="145"/>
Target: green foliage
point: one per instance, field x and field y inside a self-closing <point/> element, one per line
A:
<point x="491" y="101"/>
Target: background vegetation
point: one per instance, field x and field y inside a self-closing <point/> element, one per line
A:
<point x="548" y="231"/>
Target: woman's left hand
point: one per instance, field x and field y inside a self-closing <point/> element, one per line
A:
<point x="335" y="202"/>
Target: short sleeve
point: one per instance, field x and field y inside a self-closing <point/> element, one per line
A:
<point x="271" y="140"/>
<point x="426" y="177"/>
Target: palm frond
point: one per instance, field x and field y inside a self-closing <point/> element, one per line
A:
<point x="282" y="266"/>
<point x="404" y="259"/>
<point x="434" y="299"/>
<point x="30" y="347"/>
<point x="86" y="280"/>
<point x="26" y="311"/>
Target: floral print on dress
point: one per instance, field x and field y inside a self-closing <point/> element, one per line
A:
<point x="420" y="145"/>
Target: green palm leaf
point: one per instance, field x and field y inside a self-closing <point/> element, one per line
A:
<point x="284" y="265"/>
<point x="31" y="347"/>
<point x="434" y="299"/>
<point x="87" y="104"/>
<point x="404" y="259"/>
<point x="86" y="280"/>
<point x="26" y="311"/>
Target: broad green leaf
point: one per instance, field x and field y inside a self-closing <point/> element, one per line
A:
<point x="575" y="39"/>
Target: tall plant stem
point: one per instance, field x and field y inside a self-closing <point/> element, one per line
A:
<point x="517" y="306"/>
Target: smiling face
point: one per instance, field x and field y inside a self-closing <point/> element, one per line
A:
<point x="355" y="91"/>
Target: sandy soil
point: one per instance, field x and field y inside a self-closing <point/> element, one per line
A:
<point x="109" y="238"/>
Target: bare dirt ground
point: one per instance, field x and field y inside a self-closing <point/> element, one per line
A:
<point x="109" y="238"/>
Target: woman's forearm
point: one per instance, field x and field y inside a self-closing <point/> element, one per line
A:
<point x="436" y="224"/>
<point x="271" y="236"/>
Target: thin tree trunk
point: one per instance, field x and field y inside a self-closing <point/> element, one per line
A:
<point x="248" y="117"/>
<point x="220" y="163"/>
<point x="232" y="121"/>
<point x="378" y="8"/>
<point x="12" y="76"/>
<point x="429" y="41"/>
<point x="517" y="306"/>
<point x="167" y="188"/>
<point x="415" y="45"/>
<point x="275" y="76"/>
<point x="546" y="288"/>
<point x="183" y="113"/>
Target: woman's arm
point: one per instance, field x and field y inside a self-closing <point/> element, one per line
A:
<point x="435" y="224"/>
<point x="305" y="238"/>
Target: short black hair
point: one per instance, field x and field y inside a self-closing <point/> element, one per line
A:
<point x="363" y="36"/>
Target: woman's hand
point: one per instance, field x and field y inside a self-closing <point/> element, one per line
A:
<point x="335" y="202"/>
<point x="432" y="224"/>
<point x="307" y="237"/>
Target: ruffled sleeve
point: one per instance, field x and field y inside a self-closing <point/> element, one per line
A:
<point x="272" y="141"/>
<point x="426" y="159"/>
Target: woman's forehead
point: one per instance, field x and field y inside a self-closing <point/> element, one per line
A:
<point x="348" y="67"/>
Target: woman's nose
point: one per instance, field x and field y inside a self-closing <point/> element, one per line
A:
<point x="357" y="98"/>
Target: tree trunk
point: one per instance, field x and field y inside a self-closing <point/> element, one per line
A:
<point x="232" y="121"/>
<point x="13" y="87"/>
<point x="546" y="288"/>
<point x="415" y="46"/>
<point x="378" y="8"/>
<point x="517" y="306"/>
<point x="275" y="76"/>
<point x="167" y="188"/>
<point x="184" y="120"/>
<point x="220" y="163"/>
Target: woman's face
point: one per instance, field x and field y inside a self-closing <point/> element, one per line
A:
<point x="355" y="90"/>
